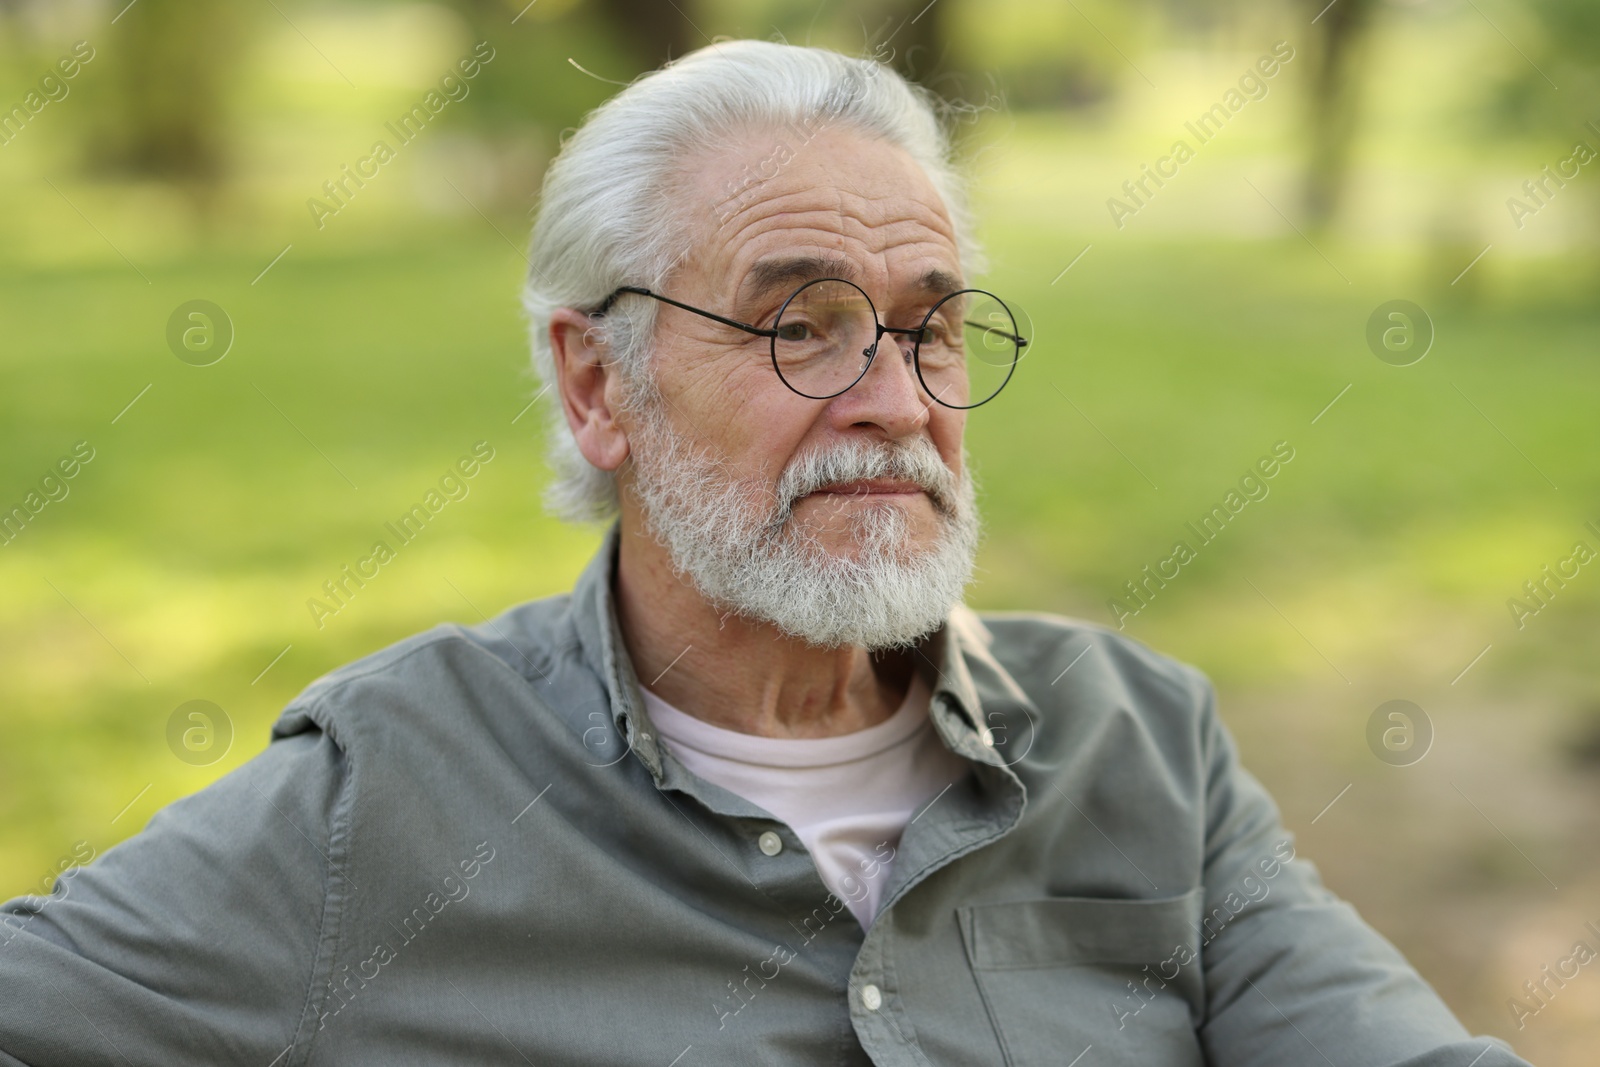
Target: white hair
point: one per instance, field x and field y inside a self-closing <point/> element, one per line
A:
<point x="608" y="215"/>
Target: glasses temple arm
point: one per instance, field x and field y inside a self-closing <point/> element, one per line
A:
<point x="1020" y="342"/>
<point x="603" y="308"/>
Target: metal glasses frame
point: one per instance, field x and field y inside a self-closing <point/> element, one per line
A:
<point x="870" y="352"/>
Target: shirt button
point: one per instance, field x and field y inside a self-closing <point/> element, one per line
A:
<point x="987" y="737"/>
<point x="871" y="997"/>
<point x="770" y="843"/>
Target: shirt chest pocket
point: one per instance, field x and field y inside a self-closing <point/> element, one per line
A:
<point x="1061" y="974"/>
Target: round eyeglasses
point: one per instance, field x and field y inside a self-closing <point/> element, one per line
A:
<point x="826" y="335"/>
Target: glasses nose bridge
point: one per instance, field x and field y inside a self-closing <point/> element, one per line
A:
<point x="906" y="352"/>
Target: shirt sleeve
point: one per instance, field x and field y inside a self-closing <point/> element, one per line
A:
<point x="193" y="942"/>
<point x="1292" y="973"/>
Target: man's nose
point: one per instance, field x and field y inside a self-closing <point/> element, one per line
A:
<point x="888" y="395"/>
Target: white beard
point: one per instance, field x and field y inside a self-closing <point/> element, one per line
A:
<point x="737" y="540"/>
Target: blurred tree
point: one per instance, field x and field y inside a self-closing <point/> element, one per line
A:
<point x="1044" y="54"/>
<point x="908" y="36"/>
<point x="559" y="58"/>
<point x="1568" y="57"/>
<point x="554" y="61"/>
<point x="1339" y="30"/>
<point x="1552" y="92"/>
<point x="911" y="36"/>
<point x="646" y="33"/>
<point x="1342" y="27"/>
<point x="162" y="98"/>
<point x="654" y="31"/>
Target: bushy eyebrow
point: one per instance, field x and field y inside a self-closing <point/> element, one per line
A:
<point x="780" y="274"/>
<point x="786" y="272"/>
<point x="939" y="283"/>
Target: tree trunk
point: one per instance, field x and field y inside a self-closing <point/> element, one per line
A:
<point x="1335" y="89"/>
<point x="654" y="30"/>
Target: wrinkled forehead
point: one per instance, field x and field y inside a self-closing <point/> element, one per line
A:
<point x="792" y="196"/>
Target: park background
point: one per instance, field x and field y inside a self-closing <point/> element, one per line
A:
<point x="1229" y="312"/>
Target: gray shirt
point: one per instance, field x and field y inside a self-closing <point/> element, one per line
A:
<point x="471" y="848"/>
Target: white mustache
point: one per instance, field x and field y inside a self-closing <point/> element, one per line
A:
<point x="916" y="461"/>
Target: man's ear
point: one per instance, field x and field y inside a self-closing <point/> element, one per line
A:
<point x="586" y="381"/>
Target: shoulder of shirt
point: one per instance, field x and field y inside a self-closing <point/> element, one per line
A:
<point x="1034" y="647"/>
<point x="525" y="643"/>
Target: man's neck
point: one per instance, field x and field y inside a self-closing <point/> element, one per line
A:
<point x="741" y="674"/>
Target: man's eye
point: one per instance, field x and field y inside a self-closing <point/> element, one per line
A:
<point x="794" y="331"/>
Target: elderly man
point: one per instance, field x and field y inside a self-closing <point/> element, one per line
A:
<point x="760" y="789"/>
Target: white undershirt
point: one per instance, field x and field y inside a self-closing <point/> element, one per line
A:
<point x="848" y="797"/>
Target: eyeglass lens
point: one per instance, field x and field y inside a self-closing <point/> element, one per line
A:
<point x="968" y="349"/>
<point x="825" y="334"/>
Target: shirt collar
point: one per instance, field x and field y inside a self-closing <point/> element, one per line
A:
<point x="978" y="707"/>
<point x="970" y="687"/>
<point x="595" y="615"/>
